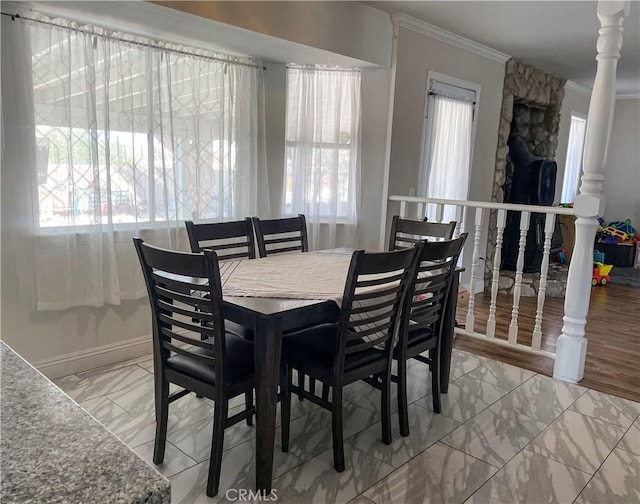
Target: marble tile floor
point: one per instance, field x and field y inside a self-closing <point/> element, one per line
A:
<point x="505" y="435"/>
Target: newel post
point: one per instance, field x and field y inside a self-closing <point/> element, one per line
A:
<point x="571" y="347"/>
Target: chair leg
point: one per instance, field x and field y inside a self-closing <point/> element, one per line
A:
<point x="385" y="409"/>
<point x="162" y="415"/>
<point x="403" y="409"/>
<point x="285" y="408"/>
<point x="336" y="427"/>
<point x="217" y="444"/>
<point x="301" y="380"/>
<point x="435" y="378"/>
<point x="325" y="392"/>
<point x="248" y="404"/>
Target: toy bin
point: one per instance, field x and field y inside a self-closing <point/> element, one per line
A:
<point x="618" y="254"/>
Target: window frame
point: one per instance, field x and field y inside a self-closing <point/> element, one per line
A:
<point x="583" y="117"/>
<point x="427" y="126"/>
<point x="337" y="146"/>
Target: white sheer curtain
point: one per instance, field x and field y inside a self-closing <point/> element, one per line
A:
<point x="573" y="165"/>
<point x="449" y="153"/>
<point x="322" y="166"/>
<point x="120" y="139"/>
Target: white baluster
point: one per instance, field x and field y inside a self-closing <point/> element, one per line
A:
<point x="517" y="288"/>
<point x="439" y="212"/>
<point x="474" y="269"/>
<point x="403" y="209"/>
<point x="497" y="257"/>
<point x="459" y="213"/>
<point x="571" y="348"/>
<point x="549" y="225"/>
<point x="420" y="211"/>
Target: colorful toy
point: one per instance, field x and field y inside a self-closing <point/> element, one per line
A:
<point x="625" y="227"/>
<point x="619" y="235"/>
<point x="601" y="273"/>
<point x="562" y="256"/>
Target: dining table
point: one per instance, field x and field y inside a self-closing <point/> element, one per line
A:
<point x="282" y="293"/>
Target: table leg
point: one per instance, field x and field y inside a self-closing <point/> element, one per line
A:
<point x="446" y="344"/>
<point x="268" y="342"/>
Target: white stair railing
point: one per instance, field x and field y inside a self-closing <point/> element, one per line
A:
<point x="517" y="289"/>
<point x="412" y="207"/>
<point x="475" y="258"/>
<point x="549" y="225"/>
<point x="495" y="280"/>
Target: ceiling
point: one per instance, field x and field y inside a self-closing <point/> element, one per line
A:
<point x="558" y="37"/>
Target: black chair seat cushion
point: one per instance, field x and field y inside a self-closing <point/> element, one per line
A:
<point x="238" y="365"/>
<point x="417" y="337"/>
<point x="238" y="330"/>
<point x="420" y="335"/>
<point x="316" y="346"/>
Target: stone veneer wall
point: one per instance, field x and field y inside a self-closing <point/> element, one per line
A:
<point x="537" y="98"/>
<point x="556" y="282"/>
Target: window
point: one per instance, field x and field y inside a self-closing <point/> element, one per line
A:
<point x="128" y="133"/>
<point x="447" y="141"/>
<point x="322" y="143"/>
<point x="108" y="136"/>
<point x="573" y="165"/>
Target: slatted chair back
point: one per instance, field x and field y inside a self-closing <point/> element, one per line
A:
<point x="281" y="235"/>
<point x="430" y="286"/>
<point x="186" y="305"/>
<point x="406" y="233"/>
<point x="374" y="291"/>
<point x="230" y="240"/>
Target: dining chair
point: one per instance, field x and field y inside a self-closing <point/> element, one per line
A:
<point x="421" y="323"/>
<point x="230" y="240"/>
<point x="357" y="346"/>
<point x="186" y="305"/>
<point x="281" y="235"/>
<point x="406" y="232"/>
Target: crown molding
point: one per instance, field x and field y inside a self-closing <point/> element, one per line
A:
<point x="578" y="88"/>
<point x="628" y="96"/>
<point x="448" y="37"/>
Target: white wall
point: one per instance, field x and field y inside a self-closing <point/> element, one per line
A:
<point x="574" y="101"/>
<point x="275" y="117"/>
<point x="347" y="28"/>
<point x="622" y="170"/>
<point x="417" y="54"/>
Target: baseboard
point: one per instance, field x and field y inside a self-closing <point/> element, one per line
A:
<point x="84" y="360"/>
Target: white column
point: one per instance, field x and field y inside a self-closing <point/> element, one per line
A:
<point x="475" y="258"/>
<point x="549" y="225"/>
<point x="459" y="217"/>
<point x="403" y="209"/>
<point x="517" y="288"/>
<point x="497" y="258"/>
<point x="571" y="348"/>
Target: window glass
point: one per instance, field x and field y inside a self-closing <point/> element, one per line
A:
<point x="322" y="142"/>
<point x="573" y="165"/>
<point x="128" y="133"/>
<point x="447" y="145"/>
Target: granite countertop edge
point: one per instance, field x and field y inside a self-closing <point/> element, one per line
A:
<point x="54" y="451"/>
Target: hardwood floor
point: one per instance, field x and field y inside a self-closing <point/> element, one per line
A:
<point x="612" y="331"/>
